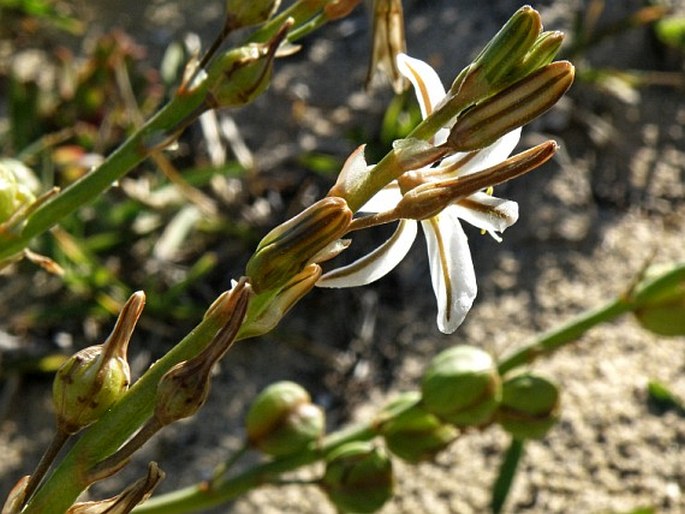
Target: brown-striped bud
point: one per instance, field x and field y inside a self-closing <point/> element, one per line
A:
<point x="462" y="386"/>
<point x="185" y="387"/>
<point x="358" y="477"/>
<point x="415" y="435"/>
<point x="512" y="107"/>
<point x="530" y="406"/>
<point x="93" y="379"/>
<point x="430" y="198"/>
<point x="288" y="248"/>
<point x="283" y="420"/>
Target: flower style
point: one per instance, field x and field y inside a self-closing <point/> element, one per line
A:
<point x="451" y="267"/>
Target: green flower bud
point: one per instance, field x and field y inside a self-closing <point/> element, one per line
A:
<point x="288" y="248"/>
<point x="14" y="192"/>
<point x="282" y="420"/>
<point x="492" y="67"/>
<point x="238" y="76"/>
<point x="512" y="107"/>
<point x="93" y="379"/>
<point x="358" y="477"/>
<point x="240" y="13"/>
<point x="462" y="386"/>
<point x="530" y="406"/>
<point x="416" y="435"/>
<point x="660" y="301"/>
<point x="543" y="51"/>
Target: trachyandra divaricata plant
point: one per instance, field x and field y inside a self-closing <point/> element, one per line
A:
<point x="442" y="174"/>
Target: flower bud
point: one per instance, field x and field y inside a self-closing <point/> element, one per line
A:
<point x="93" y="379"/>
<point x="269" y="308"/>
<point x="238" y="76"/>
<point x="283" y="420"/>
<point x="388" y="42"/>
<point x="543" y="51"/>
<point x="14" y="192"/>
<point x="358" y="477"/>
<point x="530" y="406"/>
<point x="416" y="435"/>
<point x="512" y="107"/>
<point x="240" y="13"/>
<point x="16" y="497"/>
<point x="660" y="301"/>
<point x="185" y="387"/>
<point x="123" y="503"/>
<point x="288" y="248"/>
<point x="491" y="69"/>
<point x="462" y="386"/>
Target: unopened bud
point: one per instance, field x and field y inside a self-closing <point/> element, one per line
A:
<point x="490" y="70"/>
<point x="15" y="193"/>
<point x="238" y="76"/>
<point x="268" y="309"/>
<point x="339" y="8"/>
<point x="185" y="387"/>
<point x="462" y="386"/>
<point x="16" y="497"/>
<point x="240" y="13"/>
<point x="512" y="107"/>
<point x="416" y="435"/>
<point x="543" y="51"/>
<point x="530" y="406"/>
<point x="93" y="379"/>
<point x="285" y="250"/>
<point x="388" y="43"/>
<point x="430" y="198"/>
<point x="660" y="299"/>
<point x="358" y="477"/>
<point x="283" y="420"/>
<point x="123" y="503"/>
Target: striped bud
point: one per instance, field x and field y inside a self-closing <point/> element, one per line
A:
<point x="288" y="248"/>
<point x="512" y="107"/>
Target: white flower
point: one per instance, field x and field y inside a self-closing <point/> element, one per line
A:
<point x="452" y="274"/>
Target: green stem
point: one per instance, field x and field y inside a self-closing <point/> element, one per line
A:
<point x="553" y="339"/>
<point x="158" y="131"/>
<point x="507" y="472"/>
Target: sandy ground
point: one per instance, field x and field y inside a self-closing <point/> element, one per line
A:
<point x="613" y="200"/>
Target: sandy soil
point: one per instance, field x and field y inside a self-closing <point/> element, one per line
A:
<point x="612" y="200"/>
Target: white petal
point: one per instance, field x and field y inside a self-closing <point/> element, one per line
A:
<point x="487" y="212"/>
<point x="452" y="273"/>
<point x="385" y="200"/>
<point x="494" y="154"/>
<point x="376" y="264"/>
<point x="427" y="85"/>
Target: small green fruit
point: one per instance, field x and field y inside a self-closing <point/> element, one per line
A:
<point x="530" y="406"/>
<point x="358" y="477"/>
<point x="283" y="420"/>
<point x="416" y="435"/>
<point x="462" y="386"/>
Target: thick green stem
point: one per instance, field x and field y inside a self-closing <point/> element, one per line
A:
<point x="567" y="333"/>
<point x="158" y="131"/>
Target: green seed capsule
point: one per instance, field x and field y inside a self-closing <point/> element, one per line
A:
<point x="93" y="379"/>
<point x="416" y="435"/>
<point x="282" y="420"/>
<point x="462" y="386"/>
<point x="358" y="477"/>
<point x="530" y="406"/>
